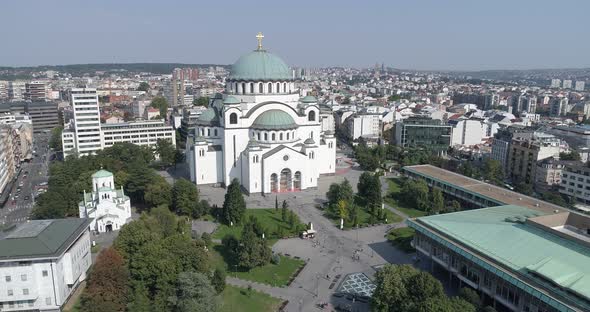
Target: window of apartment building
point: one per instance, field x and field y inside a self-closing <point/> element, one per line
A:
<point x="23" y="277"/>
<point x="44" y="273"/>
<point x="8" y="278"/>
<point x="10" y="292"/>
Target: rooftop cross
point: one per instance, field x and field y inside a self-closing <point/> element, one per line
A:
<point x="259" y="37"/>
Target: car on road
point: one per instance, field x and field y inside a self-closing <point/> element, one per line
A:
<point x="27" y="197"/>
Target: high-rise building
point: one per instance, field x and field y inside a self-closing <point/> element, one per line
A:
<point x="559" y="106"/>
<point x="3" y="90"/>
<point x="36" y="91"/>
<point x="44" y="115"/>
<point x="423" y="132"/>
<point x="86" y="122"/>
<point x="16" y="90"/>
<point x="525" y="152"/>
<point x="580" y="85"/>
<point x="567" y="84"/>
<point x="555" y="83"/>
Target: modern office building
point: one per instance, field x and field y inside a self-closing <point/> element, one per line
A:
<point x="36" y="91"/>
<point x="423" y="132"/>
<point x="575" y="182"/>
<point x="44" y="115"/>
<point x="42" y="262"/>
<point x="519" y="252"/>
<point x="86" y="123"/>
<point x="16" y="90"/>
<point x="3" y="90"/>
<point x="559" y="106"/>
<point x="516" y="258"/>
<point x="146" y="132"/>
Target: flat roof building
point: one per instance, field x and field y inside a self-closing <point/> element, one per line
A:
<point x="519" y="252"/>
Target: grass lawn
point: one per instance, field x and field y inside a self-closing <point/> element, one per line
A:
<point x="391" y="199"/>
<point x="235" y="299"/>
<point x="270" y="220"/>
<point x="271" y="274"/>
<point x="401" y="238"/>
<point x="363" y="217"/>
<point x="95" y="248"/>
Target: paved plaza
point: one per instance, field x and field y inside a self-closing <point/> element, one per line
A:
<point x="333" y="252"/>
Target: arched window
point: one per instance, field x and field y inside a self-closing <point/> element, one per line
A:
<point x="269" y="88"/>
<point x="281" y="136"/>
<point x="243" y="88"/>
<point x="285" y="87"/>
<point x="278" y="88"/>
<point x="266" y="136"/>
<point x="258" y="136"/>
<point x="215" y="132"/>
<point x="273" y="137"/>
<point x="311" y="135"/>
<point x="260" y="88"/>
<point x="288" y="136"/>
<point x="202" y="132"/>
<point x="233" y="118"/>
<point x="311" y="116"/>
<point x="208" y="132"/>
<point x="251" y="87"/>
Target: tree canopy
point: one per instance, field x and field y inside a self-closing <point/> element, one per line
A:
<point x="160" y="103"/>
<point x="143" y="86"/>
<point x="201" y="101"/>
<point x="106" y="289"/>
<point x="234" y="205"/>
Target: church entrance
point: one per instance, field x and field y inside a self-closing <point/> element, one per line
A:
<point x="274" y="183"/>
<point x="297" y="181"/>
<point x="286" y="183"/>
<point x="108" y="228"/>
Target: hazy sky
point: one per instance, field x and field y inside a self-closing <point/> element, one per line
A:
<point x="415" y="34"/>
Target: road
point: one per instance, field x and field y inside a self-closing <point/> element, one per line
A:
<point x="31" y="175"/>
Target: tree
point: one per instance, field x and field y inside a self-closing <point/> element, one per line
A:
<point x="166" y="152"/>
<point x="470" y="296"/>
<point x="573" y="155"/>
<point x="493" y="171"/>
<point x="206" y="238"/>
<point x="234" y="205"/>
<point x="55" y="140"/>
<point x="158" y="193"/>
<point x="139" y="300"/>
<point x="107" y="284"/>
<point x="523" y="188"/>
<point x="253" y="250"/>
<point x="438" y="201"/>
<point x="194" y="293"/>
<point x="201" y="101"/>
<point x="143" y="86"/>
<point x="391" y="292"/>
<point x="338" y="192"/>
<point x="342" y="209"/>
<point x="218" y="280"/>
<point x="160" y="103"/>
<point x="185" y="197"/>
<point x="455" y="206"/>
<point x="284" y="210"/>
<point x="276" y="203"/>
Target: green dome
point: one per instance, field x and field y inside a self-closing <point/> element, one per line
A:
<point x="208" y="117"/>
<point x="309" y="99"/>
<point x="231" y="100"/>
<point x="274" y="119"/>
<point x="260" y="65"/>
<point x="102" y="174"/>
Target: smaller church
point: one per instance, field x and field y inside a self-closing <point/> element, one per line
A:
<point x="109" y="207"/>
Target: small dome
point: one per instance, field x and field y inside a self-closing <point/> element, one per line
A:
<point x="309" y="99"/>
<point x="102" y="174"/>
<point x="309" y="141"/>
<point x="208" y="117"/>
<point x="231" y="100"/>
<point x="260" y="65"/>
<point x="274" y="119"/>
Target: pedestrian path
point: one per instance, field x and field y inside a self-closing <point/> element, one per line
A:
<point x="277" y="292"/>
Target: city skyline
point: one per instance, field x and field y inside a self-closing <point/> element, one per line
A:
<point x="421" y="35"/>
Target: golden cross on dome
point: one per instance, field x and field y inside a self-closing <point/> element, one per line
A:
<point x="259" y="37"/>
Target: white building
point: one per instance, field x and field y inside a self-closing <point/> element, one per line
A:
<point x="86" y="122"/>
<point x="580" y="85"/>
<point x="42" y="262"/>
<point x="260" y="132"/>
<point x="16" y="90"/>
<point x="108" y="207"/>
<point x="567" y="84"/>
<point x="363" y="125"/>
<point x="143" y="132"/>
<point x="472" y="131"/>
<point x="555" y="83"/>
<point x="86" y="135"/>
